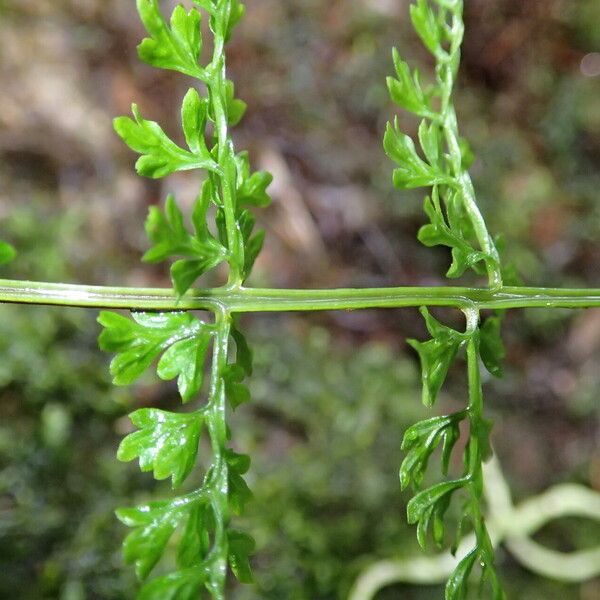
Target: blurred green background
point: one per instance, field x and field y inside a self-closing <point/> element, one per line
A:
<point x="332" y="392"/>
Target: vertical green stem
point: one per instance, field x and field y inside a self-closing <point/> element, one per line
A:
<point x="219" y="475"/>
<point x="448" y="64"/>
<point x="225" y="151"/>
<point x="476" y="452"/>
<point x="475" y="415"/>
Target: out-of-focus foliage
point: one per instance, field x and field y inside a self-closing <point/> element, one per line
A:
<point x="323" y="433"/>
<point x="58" y="477"/>
<point x="313" y="75"/>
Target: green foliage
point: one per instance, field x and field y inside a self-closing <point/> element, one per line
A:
<point x="160" y="155"/>
<point x="167" y="443"/>
<point x="436" y="355"/>
<point x="230" y="186"/>
<point x="454" y="222"/>
<point x="237" y="393"/>
<point x="239" y="492"/>
<point x="456" y="588"/>
<point x="222" y="18"/>
<point x="236" y="108"/>
<point x="171" y="238"/>
<point x="153" y="525"/>
<point x="326" y="505"/>
<point x="451" y="231"/>
<point x="413" y="172"/>
<point x="7" y="253"/>
<point x="185" y="585"/>
<point x="406" y="91"/>
<point x="422" y="439"/>
<point x="428" y="25"/>
<point x="432" y="503"/>
<point x="241" y="547"/>
<point x="181" y="337"/>
<point x="251" y="187"/>
<point x="428" y="507"/>
<point x="176" y="47"/>
<point x="493" y="352"/>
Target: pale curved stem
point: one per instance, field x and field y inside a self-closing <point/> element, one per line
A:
<point x="571" y="567"/>
<point x="507" y="524"/>
<point x="423" y="570"/>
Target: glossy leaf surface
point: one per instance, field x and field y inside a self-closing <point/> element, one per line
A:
<point x="166" y="443"/>
<point x="493" y="352"/>
<point x="429" y="504"/>
<point x="239" y="492"/>
<point x="457" y="586"/>
<point x="153" y="525"/>
<point x="241" y="546"/>
<point x="436" y="355"/>
<point x="140" y="341"/>
<point x="186" y="584"/>
<point x="421" y="440"/>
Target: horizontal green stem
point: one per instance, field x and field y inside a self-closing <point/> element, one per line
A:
<point x="245" y="300"/>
